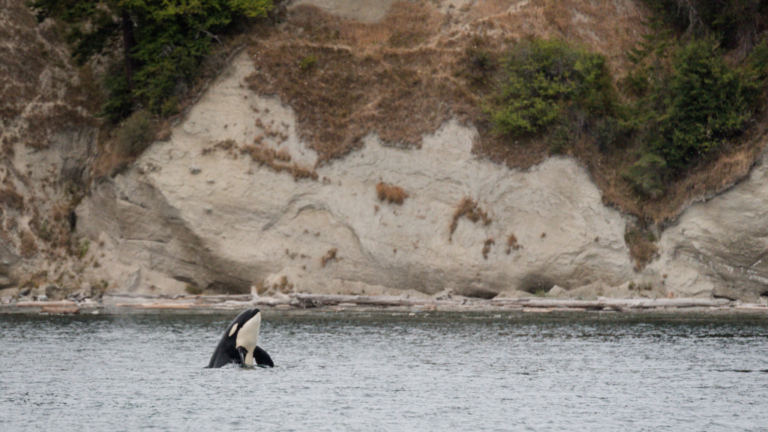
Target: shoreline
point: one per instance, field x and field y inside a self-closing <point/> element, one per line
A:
<point x="119" y="304"/>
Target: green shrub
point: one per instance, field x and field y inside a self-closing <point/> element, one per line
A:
<point x="560" y="139"/>
<point x="707" y="103"/>
<point x="120" y="102"/>
<point x="544" y="79"/>
<point x="82" y="249"/>
<point x="608" y="132"/>
<point x="136" y="133"/>
<point x="647" y="175"/>
<point x="308" y="62"/>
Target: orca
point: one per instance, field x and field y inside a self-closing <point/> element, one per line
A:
<point x="239" y="343"/>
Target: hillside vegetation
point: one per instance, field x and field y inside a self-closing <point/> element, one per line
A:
<point x="659" y="119"/>
<point x="663" y="106"/>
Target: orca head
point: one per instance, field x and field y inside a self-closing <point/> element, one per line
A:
<point x="248" y="335"/>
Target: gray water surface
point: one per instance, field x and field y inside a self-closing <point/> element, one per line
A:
<point x="388" y="372"/>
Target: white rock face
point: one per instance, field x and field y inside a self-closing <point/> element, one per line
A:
<point x="720" y="247"/>
<point x="220" y="219"/>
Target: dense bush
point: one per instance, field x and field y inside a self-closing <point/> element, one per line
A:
<point x="544" y="80"/>
<point x="707" y="103"/>
<point x="135" y="134"/>
<point x="691" y="101"/>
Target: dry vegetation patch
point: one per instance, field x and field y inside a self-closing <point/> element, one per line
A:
<point x="328" y="257"/>
<point x="487" y="247"/>
<point x="11" y="199"/>
<point x="391" y="193"/>
<point x="642" y="246"/>
<point x="28" y="246"/>
<point x="469" y="209"/>
<point x="346" y="79"/>
<point x="278" y="161"/>
<point x="512" y="244"/>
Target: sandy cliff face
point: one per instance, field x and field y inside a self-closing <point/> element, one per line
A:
<point x="211" y="216"/>
<point x="720" y="247"/>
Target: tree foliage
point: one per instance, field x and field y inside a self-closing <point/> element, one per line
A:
<point x="708" y="102"/>
<point x="545" y="79"/>
<point x="164" y="39"/>
<point x="691" y="102"/>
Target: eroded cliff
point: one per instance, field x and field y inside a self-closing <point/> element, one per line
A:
<point x="244" y="194"/>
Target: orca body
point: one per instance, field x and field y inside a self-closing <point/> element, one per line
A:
<point x="239" y="343"/>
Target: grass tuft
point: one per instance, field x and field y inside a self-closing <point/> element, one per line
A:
<point x="391" y="193"/>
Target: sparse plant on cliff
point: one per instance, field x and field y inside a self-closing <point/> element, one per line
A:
<point x="469" y="209"/>
<point x="135" y="134"/>
<point x="11" y="199"/>
<point x="487" y="246"/>
<point x="328" y="257"/>
<point x="642" y="246"/>
<point x="82" y="249"/>
<point x="512" y="243"/>
<point x="390" y="193"/>
<point x="278" y="161"/>
<point x="308" y="62"/>
<point x="28" y="246"/>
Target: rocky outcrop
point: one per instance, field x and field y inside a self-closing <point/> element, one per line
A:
<point x="720" y="247"/>
<point x="47" y="134"/>
<point x="210" y="215"/>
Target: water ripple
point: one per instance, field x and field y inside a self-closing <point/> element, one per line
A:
<point x="380" y="372"/>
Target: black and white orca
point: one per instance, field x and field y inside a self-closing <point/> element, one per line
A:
<point x="239" y="343"/>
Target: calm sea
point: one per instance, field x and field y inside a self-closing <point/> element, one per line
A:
<point x="388" y="372"/>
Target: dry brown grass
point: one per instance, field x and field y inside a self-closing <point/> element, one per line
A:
<point x="328" y="257"/>
<point x="28" y="247"/>
<point x="642" y="246"/>
<point x="512" y="244"/>
<point x="487" y="247"/>
<point x="391" y="193"/>
<point x="278" y="161"/>
<point x="366" y="77"/>
<point x="11" y="199"/>
<point x="283" y="285"/>
<point x="469" y="209"/>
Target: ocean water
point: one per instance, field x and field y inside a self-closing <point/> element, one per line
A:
<point x="388" y="372"/>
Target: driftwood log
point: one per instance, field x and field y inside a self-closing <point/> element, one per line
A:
<point x="318" y="300"/>
<point x="61" y="309"/>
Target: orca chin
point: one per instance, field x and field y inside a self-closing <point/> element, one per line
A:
<point x="239" y="343"/>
